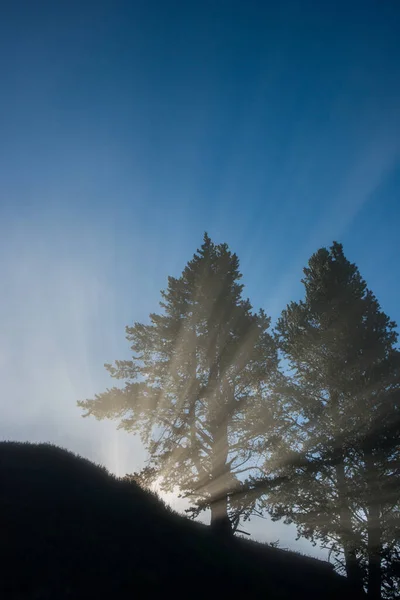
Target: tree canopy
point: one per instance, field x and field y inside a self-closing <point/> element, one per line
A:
<point x="200" y="372"/>
<point x="313" y="440"/>
<point x="343" y="391"/>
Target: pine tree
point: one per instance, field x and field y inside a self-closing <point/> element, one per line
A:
<point x="200" y="371"/>
<point x="337" y="462"/>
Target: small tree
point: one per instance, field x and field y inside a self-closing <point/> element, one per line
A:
<point x="199" y="373"/>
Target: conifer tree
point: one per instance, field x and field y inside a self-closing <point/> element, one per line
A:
<point x="200" y="371"/>
<point x="339" y="462"/>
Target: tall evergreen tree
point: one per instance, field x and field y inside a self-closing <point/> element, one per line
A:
<point x="337" y="462"/>
<point x="199" y="373"/>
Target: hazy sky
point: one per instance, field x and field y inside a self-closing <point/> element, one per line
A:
<point x="127" y="129"/>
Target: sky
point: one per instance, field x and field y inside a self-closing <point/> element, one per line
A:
<point x="127" y="129"/>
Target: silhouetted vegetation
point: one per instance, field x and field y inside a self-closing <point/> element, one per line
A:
<point x="315" y="443"/>
<point x="197" y="383"/>
<point x="343" y="396"/>
<point x="71" y="530"/>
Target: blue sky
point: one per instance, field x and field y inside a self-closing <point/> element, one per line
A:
<point x="127" y="129"/>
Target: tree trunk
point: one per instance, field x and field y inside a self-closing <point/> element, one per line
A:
<point x="220" y="522"/>
<point x="221" y="481"/>
<point x="353" y="570"/>
<point x="373" y="531"/>
<point x="374" y="553"/>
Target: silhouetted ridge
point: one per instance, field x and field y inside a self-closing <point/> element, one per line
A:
<point x="69" y="529"/>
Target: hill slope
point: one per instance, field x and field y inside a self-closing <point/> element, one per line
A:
<point x="69" y="529"/>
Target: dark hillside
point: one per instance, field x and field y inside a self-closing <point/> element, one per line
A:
<point x="71" y="530"/>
